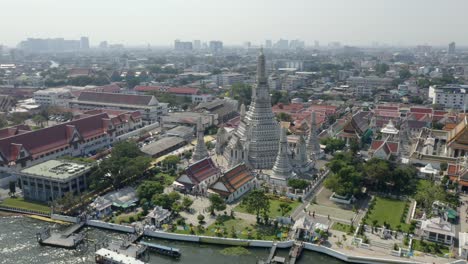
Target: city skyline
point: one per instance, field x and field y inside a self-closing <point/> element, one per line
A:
<point x="352" y="23"/>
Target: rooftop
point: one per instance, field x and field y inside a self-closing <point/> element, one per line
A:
<point x="57" y="169"/>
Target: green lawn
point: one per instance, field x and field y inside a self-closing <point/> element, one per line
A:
<point x="238" y="228"/>
<point x="430" y="247"/>
<point x="341" y="227"/>
<point x="28" y="205"/>
<point x="274" y="207"/>
<point x="388" y="211"/>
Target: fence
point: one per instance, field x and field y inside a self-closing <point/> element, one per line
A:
<point x="23" y="211"/>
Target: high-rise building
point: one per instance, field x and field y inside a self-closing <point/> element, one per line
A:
<point x="103" y="45"/>
<point x="268" y="44"/>
<point x="316" y="44"/>
<point x="197" y="44"/>
<point x="84" y="43"/>
<point x="49" y="45"/>
<point x="182" y="45"/>
<point x="216" y="46"/>
<point x="282" y="44"/>
<point x="255" y="141"/>
<point x="451" y="48"/>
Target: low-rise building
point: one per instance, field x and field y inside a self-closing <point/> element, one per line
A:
<point x="234" y="183"/>
<point x="199" y="176"/>
<point x="225" y="109"/>
<point x="228" y="79"/>
<point x="53" y="96"/>
<point x="450" y="96"/>
<point x="163" y="146"/>
<point x="149" y="107"/>
<point x="184" y="132"/>
<point x="158" y="216"/>
<point x="75" y="138"/>
<point x="438" y="230"/>
<point x="51" y="180"/>
<point x="123" y="199"/>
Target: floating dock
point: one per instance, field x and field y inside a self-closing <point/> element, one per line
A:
<point x="163" y="250"/>
<point x="66" y="239"/>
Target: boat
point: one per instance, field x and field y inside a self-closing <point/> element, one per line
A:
<point x="163" y="250"/>
<point x="106" y="256"/>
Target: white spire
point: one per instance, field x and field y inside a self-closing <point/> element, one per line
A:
<point x="313" y="145"/>
<point x="242" y="111"/>
<point x="200" y="152"/>
<point x="282" y="168"/>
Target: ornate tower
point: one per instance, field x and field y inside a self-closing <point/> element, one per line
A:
<point x="313" y="145"/>
<point x="282" y="170"/>
<point x="200" y="151"/>
<point x="255" y="140"/>
<point x="301" y="159"/>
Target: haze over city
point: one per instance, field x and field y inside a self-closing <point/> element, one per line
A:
<point x="241" y="131"/>
<point x="140" y="22"/>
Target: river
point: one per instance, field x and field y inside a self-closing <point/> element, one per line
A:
<point x="18" y="245"/>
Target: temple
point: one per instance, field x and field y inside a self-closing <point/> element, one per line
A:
<point x="313" y="144"/>
<point x="282" y="169"/>
<point x="200" y="151"/>
<point x="255" y="141"/>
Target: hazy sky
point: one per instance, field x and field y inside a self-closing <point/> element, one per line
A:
<point x="159" y="22"/>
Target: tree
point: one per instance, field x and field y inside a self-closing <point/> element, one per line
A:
<point x="347" y="181"/>
<point x="377" y="172"/>
<point x="12" y="186"/>
<point x="216" y="203"/>
<point x="381" y="68"/>
<point x="125" y="163"/>
<point x="171" y="161"/>
<point x="404" y="74"/>
<point x="298" y="183"/>
<point x="284" y="117"/>
<point x="279" y="97"/>
<point x="333" y="144"/>
<point x="241" y="92"/>
<point x="167" y="201"/>
<point x="354" y="146"/>
<point x="200" y="218"/>
<point x="257" y="202"/>
<point x="148" y="189"/>
<point x="427" y="192"/>
<point x="443" y="166"/>
<point x="115" y="77"/>
<point x="39" y="120"/>
<point x="187" y="202"/>
<point x="284" y="208"/>
<point x="3" y="121"/>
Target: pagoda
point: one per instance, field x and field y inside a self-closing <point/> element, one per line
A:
<point x="255" y="141"/>
<point x="200" y="151"/>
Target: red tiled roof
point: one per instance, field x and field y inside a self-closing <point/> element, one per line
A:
<point x="236" y="177"/>
<point x="140" y="88"/>
<point x="201" y="170"/>
<point x="52" y="138"/>
<point x="183" y="90"/>
<point x="115" y="98"/>
<point x="453" y="169"/>
<point x="421" y="110"/>
<point x="289" y="108"/>
<point x="174" y="90"/>
<point x="388" y="107"/>
<point x="389" y="147"/>
<point x="14" y="130"/>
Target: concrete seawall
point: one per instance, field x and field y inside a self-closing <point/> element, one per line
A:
<point x="239" y="242"/>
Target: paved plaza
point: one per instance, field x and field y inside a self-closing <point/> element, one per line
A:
<point x="325" y="207"/>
